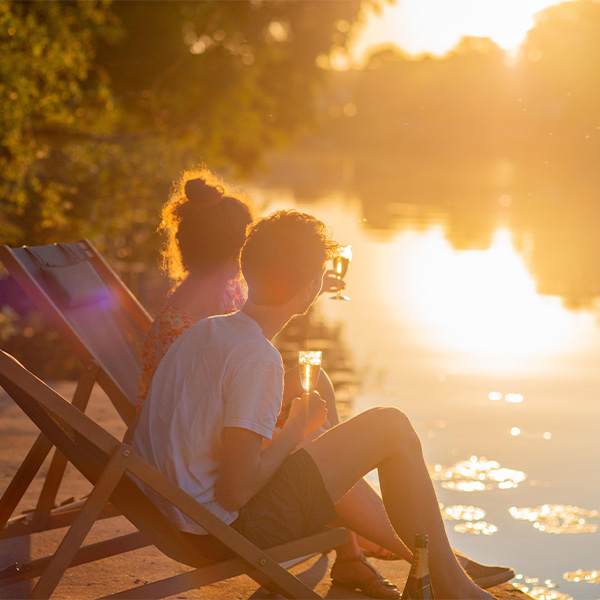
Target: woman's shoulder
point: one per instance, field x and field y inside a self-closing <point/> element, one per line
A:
<point x="169" y="312"/>
<point x="170" y="322"/>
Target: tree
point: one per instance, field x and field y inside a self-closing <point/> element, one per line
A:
<point x="46" y="81"/>
<point x="561" y="56"/>
<point x="104" y="104"/>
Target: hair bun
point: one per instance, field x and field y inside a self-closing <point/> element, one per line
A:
<point x="197" y="190"/>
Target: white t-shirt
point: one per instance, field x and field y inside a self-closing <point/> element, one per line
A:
<point x="221" y="372"/>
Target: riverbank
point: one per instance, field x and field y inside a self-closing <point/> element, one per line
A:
<point x="135" y="568"/>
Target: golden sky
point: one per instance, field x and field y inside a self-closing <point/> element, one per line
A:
<point x="435" y="26"/>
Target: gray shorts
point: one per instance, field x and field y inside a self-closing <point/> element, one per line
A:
<point x="292" y="505"/>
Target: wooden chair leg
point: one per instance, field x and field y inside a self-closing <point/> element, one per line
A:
<point x="47" y="498"/>
<point x="23" y="478"/>
<point x="90" y="553"/>
<point x="81" y="526"/>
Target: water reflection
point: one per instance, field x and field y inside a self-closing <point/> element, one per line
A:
<point x="476" y="528"/>
<point x="514" y="398"/>
<point x="581" y="575"/>
<point x="462" y="512"/>
<point x="558" y="518"/>
<point x="537" y="590"/>
<point x="480" y="304"/>
<point x="473" y="517"/>
<point x="476" y="475"/>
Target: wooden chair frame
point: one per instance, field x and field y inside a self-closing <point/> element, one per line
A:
<point x="41" y="296"/>
<point x="118" y="459"/>
<point x="26" y="274"/>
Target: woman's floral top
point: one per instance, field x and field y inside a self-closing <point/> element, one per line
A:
<point x="169" y="324"/>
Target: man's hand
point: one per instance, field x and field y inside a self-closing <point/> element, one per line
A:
<point x="307" y="413"/>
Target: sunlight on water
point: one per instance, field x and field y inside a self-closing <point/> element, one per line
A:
<point x="482" y="304"/>
<point x="510" y="397"/>
<point x="532" y="586"/>
<point x="514" y="398"/>
<point x="476" y="528"/>
<point x="473" y="516"/>
<point x="476" y="475"/>
<point x="558" y="518"/>
<point x="581" y="575"/>
<point x="462" y="512"/>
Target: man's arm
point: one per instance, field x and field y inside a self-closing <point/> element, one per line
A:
<point x="245" y="469"/>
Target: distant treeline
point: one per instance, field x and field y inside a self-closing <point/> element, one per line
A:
<point x="478" y="98"/>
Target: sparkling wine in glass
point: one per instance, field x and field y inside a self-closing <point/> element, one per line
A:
<point x="341" y="260"/>
<point x="310" y="369"/>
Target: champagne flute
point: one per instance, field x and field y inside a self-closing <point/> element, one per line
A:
<point x="310" y="369"/>
<point x="341" y="260"/>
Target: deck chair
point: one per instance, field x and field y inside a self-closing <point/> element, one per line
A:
<point x="91" y="309"/>
<point x="104" y="326"/>
<point x="111" y="466"/>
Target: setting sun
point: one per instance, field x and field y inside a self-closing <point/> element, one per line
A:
<point x="436" y="26"/>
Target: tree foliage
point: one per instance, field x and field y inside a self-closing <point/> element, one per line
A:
<point x="561" y="61"/>
<point x="46" y="82"/>
<point x="103" y="104"/>
<point x="477" y="101"/>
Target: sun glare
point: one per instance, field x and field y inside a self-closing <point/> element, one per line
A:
<point x="481" y="305"/>
<point x="436" y="26"/>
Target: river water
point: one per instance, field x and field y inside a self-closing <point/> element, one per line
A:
<point x="486" y="332"/>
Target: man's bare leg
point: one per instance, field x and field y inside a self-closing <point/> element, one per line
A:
<point x="383" y="438"/>
<point x="366" y="511"/>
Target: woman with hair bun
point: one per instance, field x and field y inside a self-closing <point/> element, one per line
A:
<point x="205" y="228"/>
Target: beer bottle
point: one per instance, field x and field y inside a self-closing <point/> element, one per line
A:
<point x="418" y="585"/>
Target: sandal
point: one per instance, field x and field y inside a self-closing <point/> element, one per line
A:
<point x="372" y="584"/>
<point x="485" y="576"/>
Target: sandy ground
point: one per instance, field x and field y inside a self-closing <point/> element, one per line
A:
<point x="135" y="568"/>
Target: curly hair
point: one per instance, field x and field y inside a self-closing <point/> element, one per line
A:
<point x="282" y="253"/>
<point x="204" y="224"/>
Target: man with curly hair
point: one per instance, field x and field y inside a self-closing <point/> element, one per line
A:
<point x="217" y="394"/>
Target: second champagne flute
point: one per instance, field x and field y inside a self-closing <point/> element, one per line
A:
<point x="310" y="369"/>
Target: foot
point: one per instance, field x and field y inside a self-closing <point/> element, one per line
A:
<point x="485" y="576"/>
<point x="358" y="574"/>
<point x="372" y="550"/>
<point x="381" y="553"/>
